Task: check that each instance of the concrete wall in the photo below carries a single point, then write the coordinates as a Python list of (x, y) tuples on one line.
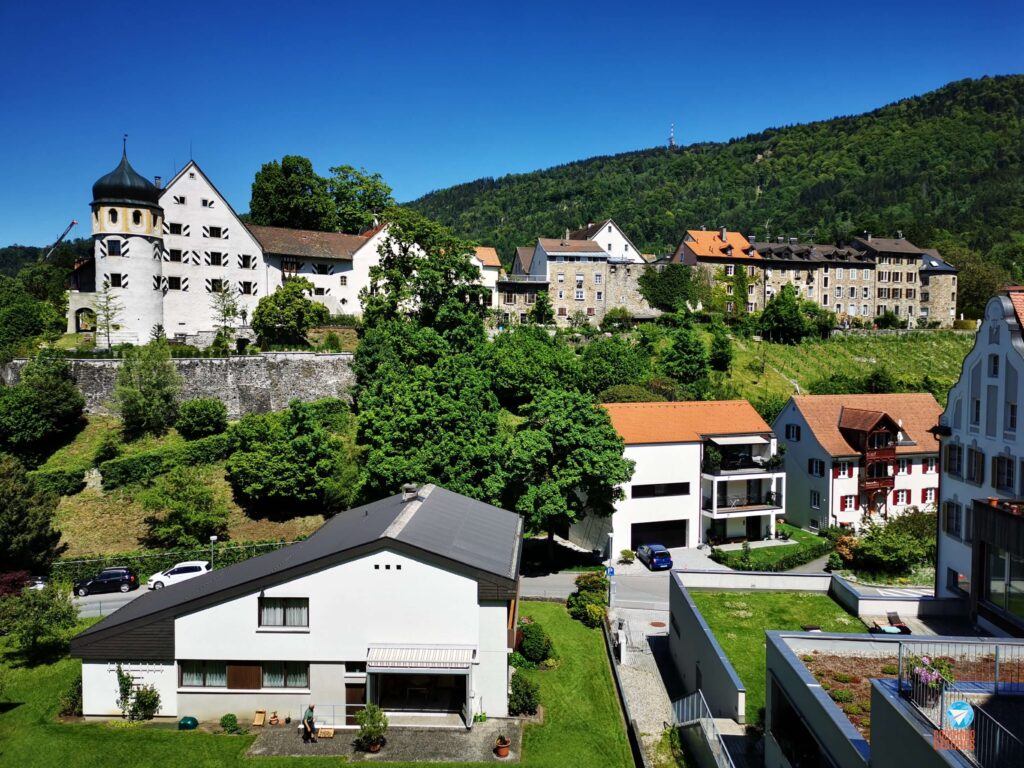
[(249, 384), (898, 738), (100, 692), (696, 653), (754, 580)]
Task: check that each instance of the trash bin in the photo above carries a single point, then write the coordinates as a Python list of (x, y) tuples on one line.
[(188, 724)]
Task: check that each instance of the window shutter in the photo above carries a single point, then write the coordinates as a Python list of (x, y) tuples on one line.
[(910, 466), (245, 676), (835, 469), (995, 468), (924, 495), (810, 466)]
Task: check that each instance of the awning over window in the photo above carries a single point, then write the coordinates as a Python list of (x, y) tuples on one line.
[(737, 440), (424, 657)]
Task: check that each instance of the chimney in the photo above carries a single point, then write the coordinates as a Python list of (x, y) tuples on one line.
[(792, 241), (869, 237), (721, 234), (410, 491), (779, 238), (899, 234), (156, 181), (751, 239)]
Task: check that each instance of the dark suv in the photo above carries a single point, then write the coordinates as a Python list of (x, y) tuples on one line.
[(108, 580)]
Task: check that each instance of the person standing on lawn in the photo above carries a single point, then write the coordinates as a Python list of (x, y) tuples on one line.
[(309, 726)]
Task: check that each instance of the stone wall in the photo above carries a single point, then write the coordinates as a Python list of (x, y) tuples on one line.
[(249, 384)]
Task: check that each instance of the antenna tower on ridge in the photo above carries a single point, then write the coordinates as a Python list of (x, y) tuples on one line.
[(672, 136)]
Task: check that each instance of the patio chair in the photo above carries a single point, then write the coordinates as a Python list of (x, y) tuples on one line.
[(894, 619)]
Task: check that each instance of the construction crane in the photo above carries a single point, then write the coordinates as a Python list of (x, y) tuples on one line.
[(60, 239)]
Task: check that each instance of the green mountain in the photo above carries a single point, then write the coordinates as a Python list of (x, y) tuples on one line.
[(950, 161)]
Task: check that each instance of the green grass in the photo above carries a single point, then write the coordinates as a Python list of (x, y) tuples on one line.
[(79, 451), (739, 620), (940, 354), (764, 558), (583, 725)]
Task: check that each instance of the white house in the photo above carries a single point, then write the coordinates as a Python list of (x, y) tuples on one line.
[(487, 261), (703, 469), (612, 240), (981, 528), (854, 457), (409, 602)]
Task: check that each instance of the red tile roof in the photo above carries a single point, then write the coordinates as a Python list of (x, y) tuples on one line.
[(918, 413), (307, 243), (1016, 295), (488, 256), (687, 422), (709, 244)]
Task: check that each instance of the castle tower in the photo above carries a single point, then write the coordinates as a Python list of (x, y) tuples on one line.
[(127, 232)]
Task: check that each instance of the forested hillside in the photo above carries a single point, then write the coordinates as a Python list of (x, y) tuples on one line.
[(950, 161)]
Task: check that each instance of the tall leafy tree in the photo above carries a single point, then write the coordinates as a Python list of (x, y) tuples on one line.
[(782, 320), (359, 197), (226, 310), (526, 361), (29, 540), (721, 349), (41, 408), (184, 508), (607, 362), (686, 361), (565, 461), (291, 194), (284, 316), (146, 390), (541, 313)]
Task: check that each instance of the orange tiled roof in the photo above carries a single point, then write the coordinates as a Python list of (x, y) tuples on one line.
[(687, 422), (918, 412), (488, 256), (307, 243), (1016, 295), (708, 244)]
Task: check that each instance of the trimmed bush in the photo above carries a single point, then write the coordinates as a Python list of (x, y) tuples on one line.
[(229, 723), (71, 701), (201, 417), (59, 482), (143, 467), (145, 703), (536, 645), (517, 660), (763, 559), (110, 447), (207, 450), (525, 696), (587, 603)]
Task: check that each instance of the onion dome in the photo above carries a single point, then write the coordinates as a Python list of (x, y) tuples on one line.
[(125, 185)]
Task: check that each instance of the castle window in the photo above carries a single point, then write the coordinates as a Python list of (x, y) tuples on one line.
[(179, 199), (215, 232), (216, 286), (113, 248), (174, 254), (245, 261), (174, 283), (191, 174), (116, 280), (207, 203), (136, 218), (343, 280), (113, 216), (322, 269), (173, 229), (216, 258), (318, 291)]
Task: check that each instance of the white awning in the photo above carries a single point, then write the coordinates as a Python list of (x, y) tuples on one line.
[(747, 440), (383, 658)]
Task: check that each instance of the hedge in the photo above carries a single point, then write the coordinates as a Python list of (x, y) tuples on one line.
[(148, 561), (60, 482), (765, 560), (143, 467)]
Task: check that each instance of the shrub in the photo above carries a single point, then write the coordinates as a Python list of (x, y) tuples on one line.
[(525, 696), (841, 696), (890, 669), (853, 709), (592, 581), (628, 393), (143, 467), (840, 677), (229, 723), (71, 701), (110, 447), (536, 645), (373, 726), (145, 703), (965, 325), (28, 539), (146, 389), (12, 582), (201, 417), (888, 550), (627, 556), (185, 510), (331, 343), (835, 562), (586, 604), (517, 660), (206, 450), (593, 615), (59, 482)]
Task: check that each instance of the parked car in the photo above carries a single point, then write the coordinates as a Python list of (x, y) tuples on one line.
[(178, 572), (108, 580), (36, 583), (654, 556)]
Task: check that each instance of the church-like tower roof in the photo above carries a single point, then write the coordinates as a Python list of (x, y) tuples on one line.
[(125, 185)]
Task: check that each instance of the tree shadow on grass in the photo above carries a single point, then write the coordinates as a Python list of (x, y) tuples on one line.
[(535, 558), (7, 706)]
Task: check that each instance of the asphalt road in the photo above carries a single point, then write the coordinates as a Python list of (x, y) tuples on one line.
[(101, 605), (641, 590)]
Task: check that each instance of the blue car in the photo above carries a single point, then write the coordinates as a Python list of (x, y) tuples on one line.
[(654, 556)]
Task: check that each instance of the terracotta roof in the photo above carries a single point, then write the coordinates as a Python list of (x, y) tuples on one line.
[(307, 243), (488, 256), (588, 231), (524, 255), (557, 245), (1016, 296), (687, 422), (373, 230), (859, 419), (917, 411), (708, 244)]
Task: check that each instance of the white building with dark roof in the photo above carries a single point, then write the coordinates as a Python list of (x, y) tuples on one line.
[(409, 603)]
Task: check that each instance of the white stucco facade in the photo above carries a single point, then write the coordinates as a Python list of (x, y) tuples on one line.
[(614, 241)]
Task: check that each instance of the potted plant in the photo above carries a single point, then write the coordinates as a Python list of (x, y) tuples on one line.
[(373, 726), (927, 675), (501, 745)]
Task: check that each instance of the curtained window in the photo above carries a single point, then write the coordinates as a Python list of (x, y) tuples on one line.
[(284, 611), (285, 674), (200, 674)]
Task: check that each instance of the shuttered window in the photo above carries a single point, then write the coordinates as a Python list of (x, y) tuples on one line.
[(245, 675)]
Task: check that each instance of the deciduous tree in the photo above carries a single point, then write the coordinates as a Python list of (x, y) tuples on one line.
[(290, 194), (287, 314), (42, 407), (28, 539), (686, 361), (146, 390), (359, 197)]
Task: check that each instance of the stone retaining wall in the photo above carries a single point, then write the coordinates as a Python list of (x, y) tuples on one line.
[(245, 384)]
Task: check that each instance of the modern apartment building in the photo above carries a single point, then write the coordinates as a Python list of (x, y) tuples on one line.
[(981, 527), (851, 458)]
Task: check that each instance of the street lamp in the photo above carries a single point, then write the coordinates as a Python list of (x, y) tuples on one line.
[(213, 540), (608, 573)]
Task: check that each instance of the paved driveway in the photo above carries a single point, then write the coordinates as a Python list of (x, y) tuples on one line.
[(102, 605)]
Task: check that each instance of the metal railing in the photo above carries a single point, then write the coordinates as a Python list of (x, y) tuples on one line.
[(523, 279), (694, 710), (994, 671), (768, 499)]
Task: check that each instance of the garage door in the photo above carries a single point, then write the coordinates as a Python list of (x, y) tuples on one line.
[(669, 534)]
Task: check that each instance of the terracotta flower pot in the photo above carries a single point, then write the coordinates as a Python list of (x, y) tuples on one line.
[(374, 747), (501, 748)]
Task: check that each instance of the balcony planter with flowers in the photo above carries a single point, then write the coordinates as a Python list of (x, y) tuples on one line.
[(926, 679)]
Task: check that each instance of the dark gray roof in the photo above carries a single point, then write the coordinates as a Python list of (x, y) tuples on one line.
[(436, 521), (932, 263), (886, 245), (125, 185), (811, 252)]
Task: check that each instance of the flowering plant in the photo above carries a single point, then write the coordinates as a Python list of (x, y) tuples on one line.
[(931, 670)]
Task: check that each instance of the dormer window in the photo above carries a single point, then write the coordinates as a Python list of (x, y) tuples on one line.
[(113, 216), (137, 218)]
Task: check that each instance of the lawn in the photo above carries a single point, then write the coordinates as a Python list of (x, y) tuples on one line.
[(808, 546), (739, 620), (940, 354), (583, 725)]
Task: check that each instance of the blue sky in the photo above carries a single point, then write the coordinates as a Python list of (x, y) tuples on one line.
[(433, 94)]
